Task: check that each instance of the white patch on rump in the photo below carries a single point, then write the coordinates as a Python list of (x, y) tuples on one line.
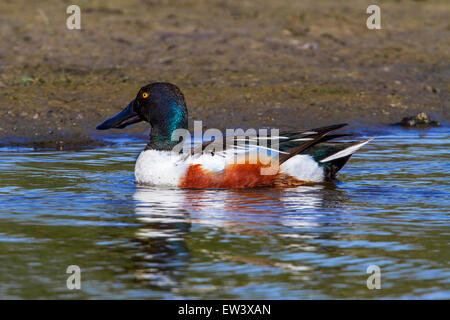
[(303, 167)]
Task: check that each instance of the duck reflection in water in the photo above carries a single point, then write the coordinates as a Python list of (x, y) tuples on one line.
[(179, 224)]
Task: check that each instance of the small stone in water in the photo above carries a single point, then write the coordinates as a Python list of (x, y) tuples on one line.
[(421, 119)]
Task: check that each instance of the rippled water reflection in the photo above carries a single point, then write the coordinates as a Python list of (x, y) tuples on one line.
[(83, 208)]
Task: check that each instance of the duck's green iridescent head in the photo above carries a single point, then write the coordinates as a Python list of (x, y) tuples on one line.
[(162, 105)]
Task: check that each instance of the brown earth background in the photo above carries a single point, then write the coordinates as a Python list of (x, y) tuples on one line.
[(286, 64)]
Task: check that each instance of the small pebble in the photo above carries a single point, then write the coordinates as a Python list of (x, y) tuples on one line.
[(421, 119)]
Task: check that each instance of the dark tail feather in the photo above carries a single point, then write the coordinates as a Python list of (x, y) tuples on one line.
[(333, 162), (332, 168), (320, 133)]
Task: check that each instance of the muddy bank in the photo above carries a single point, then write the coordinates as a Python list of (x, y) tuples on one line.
[(240, 64)]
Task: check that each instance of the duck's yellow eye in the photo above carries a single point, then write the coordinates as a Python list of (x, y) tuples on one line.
[(145, 95)]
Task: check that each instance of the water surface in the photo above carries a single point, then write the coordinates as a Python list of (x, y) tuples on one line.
[(390, 209)]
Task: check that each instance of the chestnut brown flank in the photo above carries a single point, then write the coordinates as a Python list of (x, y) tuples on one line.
[(235, 176)]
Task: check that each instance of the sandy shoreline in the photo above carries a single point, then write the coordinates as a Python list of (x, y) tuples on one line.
[(257, 64)]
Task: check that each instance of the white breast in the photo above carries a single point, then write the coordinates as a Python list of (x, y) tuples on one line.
[(159, 168)]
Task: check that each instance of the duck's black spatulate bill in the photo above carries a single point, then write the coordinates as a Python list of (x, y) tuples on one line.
[(121, 120)]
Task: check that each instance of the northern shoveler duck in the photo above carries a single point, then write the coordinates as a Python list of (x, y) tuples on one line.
[(302, 156)]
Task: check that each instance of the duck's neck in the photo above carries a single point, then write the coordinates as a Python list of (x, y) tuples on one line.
[(163, 129), (161, 139)]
